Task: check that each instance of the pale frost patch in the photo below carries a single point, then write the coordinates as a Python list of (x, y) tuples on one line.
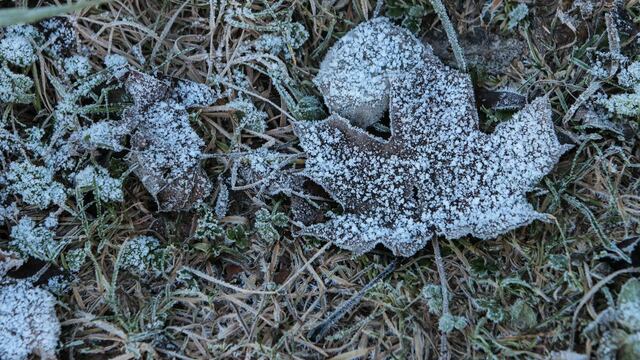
[(77, 65), (142, 255), (34, 240), (165, 150), (28, 322), (97, 179), (17, 50), (15, 88), (35, 184), (354, 75)]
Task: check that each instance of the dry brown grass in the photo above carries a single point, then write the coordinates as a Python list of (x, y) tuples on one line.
[(261, 301)]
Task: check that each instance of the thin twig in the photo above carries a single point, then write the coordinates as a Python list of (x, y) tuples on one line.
[(319, 332)]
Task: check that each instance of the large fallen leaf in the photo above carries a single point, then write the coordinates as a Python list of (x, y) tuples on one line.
[(437, 174)]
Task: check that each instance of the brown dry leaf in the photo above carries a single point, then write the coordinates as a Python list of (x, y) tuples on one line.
[(165, 150), (437, 174)]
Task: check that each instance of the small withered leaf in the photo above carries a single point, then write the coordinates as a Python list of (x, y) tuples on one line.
[(165, 150)]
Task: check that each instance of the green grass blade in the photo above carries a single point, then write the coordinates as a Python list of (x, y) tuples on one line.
[(26, 16)]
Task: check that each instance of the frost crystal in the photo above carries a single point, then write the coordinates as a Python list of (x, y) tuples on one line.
[(117, 65), (28, 322), (250, 117), (190, 94), (14, 88), (616, 330), (75, 259), (77, 65), (17, 50), (517, 15), (59, 35), (263, 169), (34, 240), (142, 254), (9, 260), (165, 150), (207, 227), (101, 135), (626, 104), (35, 184), (437, 174), (354, 75), (97, 178)]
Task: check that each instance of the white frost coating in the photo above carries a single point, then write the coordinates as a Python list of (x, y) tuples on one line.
[(354, 75), (77, 65), (250, 118), (28, 322), (35, 184), (142, 254), (9, 260), (264, 170), (18, 50), (626, 104), (190, 94), (165, 150), (101, 135), (34, 240), (117, 65), (97, 178), (437, 174), (14, 88)]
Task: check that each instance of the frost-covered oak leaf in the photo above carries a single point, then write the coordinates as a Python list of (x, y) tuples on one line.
[(165, 150), (437, 174)]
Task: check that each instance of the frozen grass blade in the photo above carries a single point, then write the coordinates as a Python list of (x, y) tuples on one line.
[(441, 10)]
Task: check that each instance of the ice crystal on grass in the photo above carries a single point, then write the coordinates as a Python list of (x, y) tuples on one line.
[(28, 322), (15, 88), (165, 150), (34, 240), (59, 37), (97, 179), (517, 15), (75, 259), (117, 65), (208, 227), (437, 174), (101, 135), (267, 222), (190, 94), (626, 104), (77, 65), (263, 170), (142, 255), (250, 117), (354, 75), (9, 260), (18, 50), (35, 184), (448, 323)]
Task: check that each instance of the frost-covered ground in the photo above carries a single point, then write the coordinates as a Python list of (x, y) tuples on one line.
[(170, 188)]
